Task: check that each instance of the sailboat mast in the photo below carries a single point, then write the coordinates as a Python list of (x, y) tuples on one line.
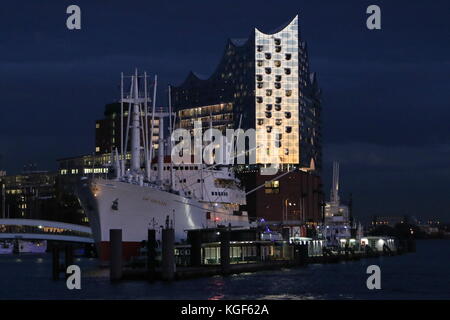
[(135, 125)]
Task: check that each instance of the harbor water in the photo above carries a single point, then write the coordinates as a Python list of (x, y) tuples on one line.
[(424, 274)]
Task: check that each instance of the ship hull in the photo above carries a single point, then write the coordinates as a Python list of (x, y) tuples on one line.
[(135, 209)]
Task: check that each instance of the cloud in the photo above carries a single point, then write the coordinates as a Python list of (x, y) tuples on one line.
[(432, 157)]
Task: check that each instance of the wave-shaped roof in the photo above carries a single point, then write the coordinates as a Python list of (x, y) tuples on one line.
[(280, 28), (237, 43)]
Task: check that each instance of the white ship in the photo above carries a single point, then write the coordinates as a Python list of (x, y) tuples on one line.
[(154, 195)]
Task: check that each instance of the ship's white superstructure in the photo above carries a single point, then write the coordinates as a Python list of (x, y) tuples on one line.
[(155, 195)]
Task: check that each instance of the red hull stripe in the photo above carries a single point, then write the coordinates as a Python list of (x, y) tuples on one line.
[(129, 249)]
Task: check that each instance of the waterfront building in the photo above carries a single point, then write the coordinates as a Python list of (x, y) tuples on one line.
[(107, 130), (34, 194), (28, 195), (264, 83), (293, 202)]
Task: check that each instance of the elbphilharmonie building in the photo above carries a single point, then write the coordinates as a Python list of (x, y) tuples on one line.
[(262, 82)]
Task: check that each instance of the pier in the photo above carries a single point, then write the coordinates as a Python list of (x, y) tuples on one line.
[(202, 257)]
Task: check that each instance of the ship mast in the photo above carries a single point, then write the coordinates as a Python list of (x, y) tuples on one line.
[(135, 126), (135, 166), (335, 186)]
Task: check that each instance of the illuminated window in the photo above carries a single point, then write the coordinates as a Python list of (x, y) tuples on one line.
[(272, 187), (97, 149), (278, 138), (97, 125)]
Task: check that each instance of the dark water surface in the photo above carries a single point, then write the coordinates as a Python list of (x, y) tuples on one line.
[(421, 275)]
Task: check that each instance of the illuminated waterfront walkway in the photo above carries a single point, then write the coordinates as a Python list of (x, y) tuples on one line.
[(44, 230)]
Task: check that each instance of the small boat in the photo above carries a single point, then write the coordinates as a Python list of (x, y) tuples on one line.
[(6, 247), (31, 246)]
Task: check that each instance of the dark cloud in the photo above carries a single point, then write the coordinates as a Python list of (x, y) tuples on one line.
[(385, 93)]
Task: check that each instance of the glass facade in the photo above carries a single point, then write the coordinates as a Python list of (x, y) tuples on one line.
[(277, 84), (261, 83)]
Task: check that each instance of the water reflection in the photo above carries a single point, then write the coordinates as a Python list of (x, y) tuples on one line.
[(29, 277), (217, 287)]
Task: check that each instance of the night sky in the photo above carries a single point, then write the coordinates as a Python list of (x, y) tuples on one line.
[(386, 92)]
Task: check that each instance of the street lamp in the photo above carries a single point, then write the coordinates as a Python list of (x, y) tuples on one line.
[(285, 213)]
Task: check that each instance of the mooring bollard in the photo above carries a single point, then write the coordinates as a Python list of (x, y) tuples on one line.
[(115, 239), (196, 249), (55, 263), (168, 254), (225, 251), (258, 252), (303, 254), (151, 255)]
